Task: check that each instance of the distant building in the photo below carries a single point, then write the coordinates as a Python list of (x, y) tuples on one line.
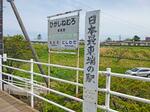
[(81, 42), (147, 38), (127, 43), (39, 42)]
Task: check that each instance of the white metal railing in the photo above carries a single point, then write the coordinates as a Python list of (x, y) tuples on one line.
[(33, 84)]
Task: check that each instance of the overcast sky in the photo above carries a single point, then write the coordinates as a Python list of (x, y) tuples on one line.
[(118, 17)]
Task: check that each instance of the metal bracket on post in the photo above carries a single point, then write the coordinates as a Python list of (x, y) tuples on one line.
[(108, 81), (32, 89)]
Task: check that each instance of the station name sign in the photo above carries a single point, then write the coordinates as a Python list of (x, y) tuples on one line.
[(91, 61), (63, 33)]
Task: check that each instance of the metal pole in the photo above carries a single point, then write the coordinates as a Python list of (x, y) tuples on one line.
[(77, 72), (49, 68), (1, 28), (49, 55), (78, 61), (32, 90), (26, 36), (108, 81), (1, 82), (1, 41)]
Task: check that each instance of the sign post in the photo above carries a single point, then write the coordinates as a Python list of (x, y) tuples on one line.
[(78, 62), (91, 61)]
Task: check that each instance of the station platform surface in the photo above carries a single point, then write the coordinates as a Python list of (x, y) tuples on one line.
[(9, 103)]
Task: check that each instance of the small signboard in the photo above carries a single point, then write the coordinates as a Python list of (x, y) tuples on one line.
[(91, 61), (63, 33)]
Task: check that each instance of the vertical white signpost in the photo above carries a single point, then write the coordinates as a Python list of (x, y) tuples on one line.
[(91, 62)]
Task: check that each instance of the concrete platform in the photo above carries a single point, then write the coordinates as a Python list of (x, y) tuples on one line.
[(10, 104)]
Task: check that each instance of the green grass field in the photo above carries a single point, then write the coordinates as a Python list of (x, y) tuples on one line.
[(127, 58), (128, 55)]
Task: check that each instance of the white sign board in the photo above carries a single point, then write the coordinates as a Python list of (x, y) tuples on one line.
[(91, 61), (63, 33)]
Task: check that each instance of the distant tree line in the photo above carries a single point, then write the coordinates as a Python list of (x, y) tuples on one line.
[(135, 38)]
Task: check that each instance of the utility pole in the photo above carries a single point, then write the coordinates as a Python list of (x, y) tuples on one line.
[(26, 36), (1, 28), (120, 38)]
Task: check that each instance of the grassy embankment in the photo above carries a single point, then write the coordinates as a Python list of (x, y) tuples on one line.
[(120, 64)]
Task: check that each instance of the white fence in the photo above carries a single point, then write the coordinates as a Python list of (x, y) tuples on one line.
[(32, 84)]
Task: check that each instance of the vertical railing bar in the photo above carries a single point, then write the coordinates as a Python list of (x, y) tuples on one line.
[(108, 81), (49, 67), (32, 97)]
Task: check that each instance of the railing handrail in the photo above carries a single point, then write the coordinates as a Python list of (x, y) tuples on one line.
[(32, 83), (75, 68), (74, 83)]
